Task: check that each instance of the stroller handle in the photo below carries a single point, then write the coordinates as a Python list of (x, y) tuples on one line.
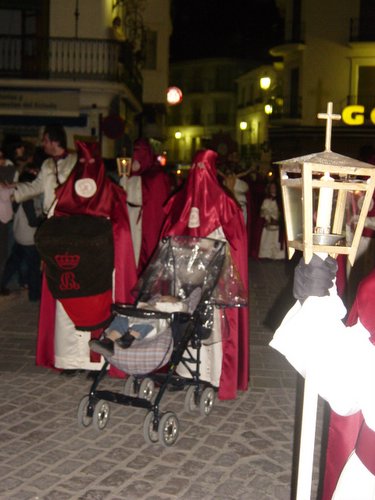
[(135, 312)]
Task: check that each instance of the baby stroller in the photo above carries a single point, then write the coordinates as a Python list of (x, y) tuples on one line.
[(199, 274)]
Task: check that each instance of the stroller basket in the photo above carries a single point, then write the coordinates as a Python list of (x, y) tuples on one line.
[(177, 292)]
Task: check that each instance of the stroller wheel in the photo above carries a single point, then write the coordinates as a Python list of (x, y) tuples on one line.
[(101, 415), (190, 404), (207, 401), (84, 420), (146, 389), (149, 433), (129, 389), (168, 429)]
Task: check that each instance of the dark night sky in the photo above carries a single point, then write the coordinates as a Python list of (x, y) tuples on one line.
[(224, 28)]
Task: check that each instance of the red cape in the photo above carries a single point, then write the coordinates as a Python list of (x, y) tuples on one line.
[(202, 191), (343, 431), (108, 201)]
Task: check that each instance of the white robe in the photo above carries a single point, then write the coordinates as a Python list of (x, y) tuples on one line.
[(71, 346), (133, 187), (270, 247), (340, 364), (46, 181)]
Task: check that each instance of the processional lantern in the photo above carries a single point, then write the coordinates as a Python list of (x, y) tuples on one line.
[(124, 165), (326, 197)]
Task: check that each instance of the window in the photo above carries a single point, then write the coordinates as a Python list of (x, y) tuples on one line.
[(367, 20), (251, 93), (10, 22), (294, 93), (196, 83), (174, 116), (366, 86), (150, 49), (296, 24), (196, 112), (25, 28), (222, 111), (242, 101), (224, 78)]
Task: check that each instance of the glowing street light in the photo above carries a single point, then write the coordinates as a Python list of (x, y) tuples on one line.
[(268, 109), (243, 125), (178, 135), (174, 96), (265, 82)]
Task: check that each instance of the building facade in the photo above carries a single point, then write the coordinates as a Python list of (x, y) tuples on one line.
[(259, 96), (69, 62), (206, 116), (328, 55)]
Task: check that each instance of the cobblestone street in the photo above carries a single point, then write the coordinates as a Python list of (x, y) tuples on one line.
[(243, 450)]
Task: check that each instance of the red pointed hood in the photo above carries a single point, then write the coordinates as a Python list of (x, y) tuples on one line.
[(202, 205), (143, 156), (85, 191)]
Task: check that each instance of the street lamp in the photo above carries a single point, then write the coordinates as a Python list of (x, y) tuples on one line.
[(268, 109), (174, 96), (265, 82), (178, 135)]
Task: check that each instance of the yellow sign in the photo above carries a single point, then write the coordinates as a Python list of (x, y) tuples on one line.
[(355, 115)]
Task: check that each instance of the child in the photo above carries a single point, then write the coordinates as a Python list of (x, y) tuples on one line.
[(123, 333)]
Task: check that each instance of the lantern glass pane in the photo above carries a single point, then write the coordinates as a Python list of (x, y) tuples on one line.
[(353, 209), (294, 197)]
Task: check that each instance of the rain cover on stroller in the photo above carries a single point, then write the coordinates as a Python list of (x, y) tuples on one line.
[(193, 274), (182, 263)]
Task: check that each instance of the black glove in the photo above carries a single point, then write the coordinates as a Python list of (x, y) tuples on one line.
[(314, 278)]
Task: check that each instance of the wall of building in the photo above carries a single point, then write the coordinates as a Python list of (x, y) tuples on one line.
[(209, 104), (157, 18), (325, 68), (329, 64), (94, 20)]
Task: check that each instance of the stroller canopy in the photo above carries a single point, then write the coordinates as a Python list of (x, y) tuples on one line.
[(182, 264)]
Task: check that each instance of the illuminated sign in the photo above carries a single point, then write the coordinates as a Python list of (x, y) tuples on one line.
[(355, 115)]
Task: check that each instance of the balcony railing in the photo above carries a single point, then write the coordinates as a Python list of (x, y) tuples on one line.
[(69, 58)]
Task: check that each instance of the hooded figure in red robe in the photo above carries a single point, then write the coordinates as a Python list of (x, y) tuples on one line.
[(90, 264), (147, 187), (203, 209)]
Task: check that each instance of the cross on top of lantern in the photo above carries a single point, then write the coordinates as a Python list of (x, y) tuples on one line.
[(326, 197)]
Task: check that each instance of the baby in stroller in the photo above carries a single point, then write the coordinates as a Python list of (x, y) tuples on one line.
[(124, 330), (166, 327)]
